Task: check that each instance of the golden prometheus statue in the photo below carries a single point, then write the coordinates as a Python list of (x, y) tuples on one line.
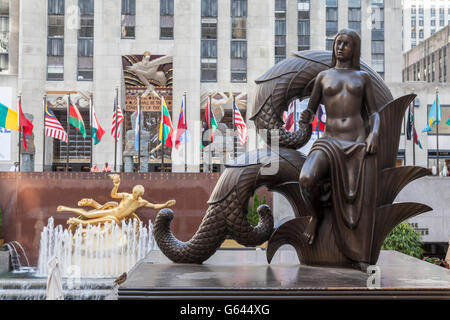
[(111, 211)]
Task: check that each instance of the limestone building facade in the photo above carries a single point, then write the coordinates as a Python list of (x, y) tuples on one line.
[(56, 47)]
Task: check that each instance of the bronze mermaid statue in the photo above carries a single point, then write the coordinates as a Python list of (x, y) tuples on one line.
[(342, 192)]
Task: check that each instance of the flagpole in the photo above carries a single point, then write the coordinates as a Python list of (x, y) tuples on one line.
[(234, 127), (295, 115), (92, 130), (20, 130), (413, 133), (185, 131), (43, 140), (68, 134), (437, 129), (406, 121), (163, 140), (139, 137), (115, 131), (211, 133)]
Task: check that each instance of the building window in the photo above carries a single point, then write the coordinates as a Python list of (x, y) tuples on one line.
[(238, 40), (55, 40), (331, 27), (445, 64), (166, 20), (304, 25), (209, 41), (354, 15), (86, 41), (128, 19), (280, 30), (378, 37)]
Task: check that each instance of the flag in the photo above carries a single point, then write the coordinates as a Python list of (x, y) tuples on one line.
[(292, 115), (25, 125), (409, 124), (182, 133), (75, 119), (434, 116), (240, 125), (319, 120), (97, 130), (116, 121), (211, 125), (166, 128), (8, 118), (288, 118), (53, 127), (137, 124), (416, 139)]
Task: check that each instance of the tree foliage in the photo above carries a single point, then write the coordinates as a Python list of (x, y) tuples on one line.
[(252, 215), (405, 239)]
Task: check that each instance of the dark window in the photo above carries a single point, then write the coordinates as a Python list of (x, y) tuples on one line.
[(238, 40), (86, 41), (209, 8), (280, 30), (129, 19), (166, 19), (303, 25), (208, 50), (56, 7), (55, 40)]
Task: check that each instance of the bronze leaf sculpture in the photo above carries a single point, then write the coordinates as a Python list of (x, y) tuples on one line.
[(342, 193)]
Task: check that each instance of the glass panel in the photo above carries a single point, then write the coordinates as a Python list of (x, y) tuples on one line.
[(85, 75), (303, 28), (209, 49), (86, 27), (280, 5), (280, 27), (209, 72), (238, 76), (238, 8), (331, 3), (166, 21), (55, 7), (129, 7), (238, 49), (55, 47), (166, 33), (85, 63), (354, 3), (166, 7), (209, 8), (85, 47), (209, 30), (86, 7), (239, 28), (332, 14)]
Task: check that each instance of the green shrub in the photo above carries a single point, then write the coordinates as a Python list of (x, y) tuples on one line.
[(405, 239), (252, 215)]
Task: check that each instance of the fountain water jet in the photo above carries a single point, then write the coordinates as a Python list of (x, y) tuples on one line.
[(95, 251)]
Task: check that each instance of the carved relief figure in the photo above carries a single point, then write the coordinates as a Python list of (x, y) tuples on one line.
[(148, 70)]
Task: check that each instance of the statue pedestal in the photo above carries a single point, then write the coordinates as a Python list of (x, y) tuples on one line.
[(231, 274)]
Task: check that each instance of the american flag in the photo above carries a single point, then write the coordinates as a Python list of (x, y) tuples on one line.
[(240, 125), (53, 127), (119, 119)]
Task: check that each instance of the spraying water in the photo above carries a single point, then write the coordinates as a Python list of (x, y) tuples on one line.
[(95, 251)]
